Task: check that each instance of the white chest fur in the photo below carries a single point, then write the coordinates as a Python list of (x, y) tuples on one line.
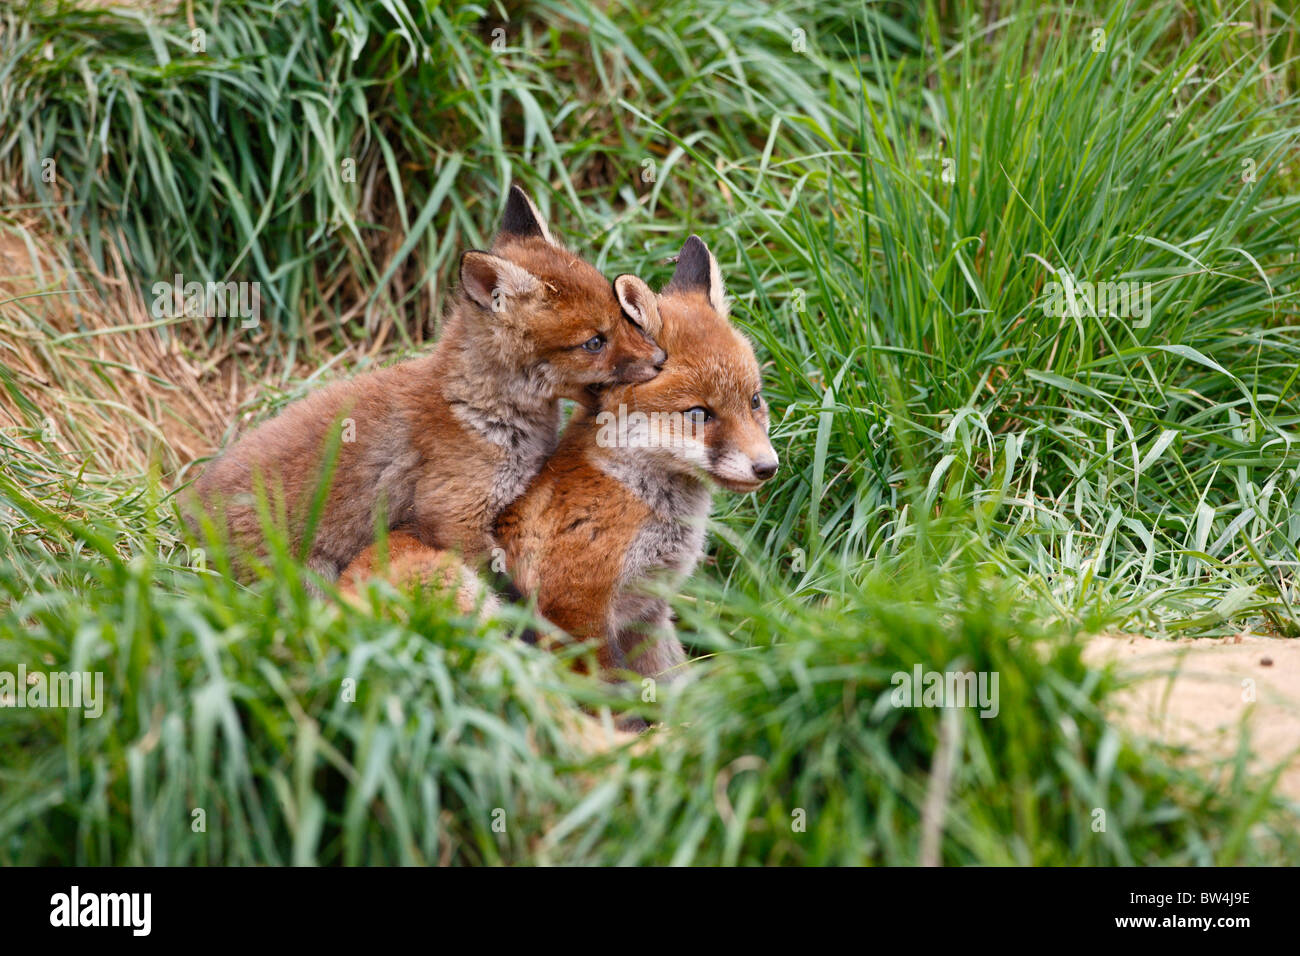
[(669, 544)]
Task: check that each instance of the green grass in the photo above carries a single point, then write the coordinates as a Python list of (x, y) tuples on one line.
[(236, 704), (967, 482)]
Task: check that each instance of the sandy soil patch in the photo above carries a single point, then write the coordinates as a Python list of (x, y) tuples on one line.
[(1198, 694)]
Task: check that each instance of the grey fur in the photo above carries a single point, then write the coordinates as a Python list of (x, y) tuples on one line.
[(663, 554), (512, 408)]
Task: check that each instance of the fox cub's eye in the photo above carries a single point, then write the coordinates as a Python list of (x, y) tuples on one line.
[(756, 402), (699, 414), (594, 344)]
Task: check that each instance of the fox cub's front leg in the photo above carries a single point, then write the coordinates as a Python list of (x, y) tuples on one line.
[(650, 647)]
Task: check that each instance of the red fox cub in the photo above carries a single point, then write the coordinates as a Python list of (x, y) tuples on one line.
[(624, 499), (442, 443)]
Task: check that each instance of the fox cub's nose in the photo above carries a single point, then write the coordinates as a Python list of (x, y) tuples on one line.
[(765, 469), (642, 370), (634, 373)]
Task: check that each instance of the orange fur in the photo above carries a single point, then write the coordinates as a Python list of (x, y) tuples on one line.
[(598, 522), (440, 444)]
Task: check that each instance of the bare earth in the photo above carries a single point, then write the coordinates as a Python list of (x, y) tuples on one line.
[(1196, 693)]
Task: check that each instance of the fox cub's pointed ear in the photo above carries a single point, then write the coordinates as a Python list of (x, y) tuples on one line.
[(522, 220), (490, 281), (697, 271), (639, 303)]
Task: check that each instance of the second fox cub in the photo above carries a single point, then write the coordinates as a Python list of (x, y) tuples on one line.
[(441, 444), (624, 499)]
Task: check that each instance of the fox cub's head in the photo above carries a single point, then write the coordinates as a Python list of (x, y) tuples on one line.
[(545, 308), (705, 412)]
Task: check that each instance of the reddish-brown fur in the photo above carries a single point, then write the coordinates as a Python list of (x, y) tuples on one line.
[(442, 443), (598, 522), (417, 565)]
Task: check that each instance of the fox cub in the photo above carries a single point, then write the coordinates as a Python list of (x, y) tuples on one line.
[(624, 499), (443, 443)]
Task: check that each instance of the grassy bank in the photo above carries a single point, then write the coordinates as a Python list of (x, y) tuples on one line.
[(972, 477)]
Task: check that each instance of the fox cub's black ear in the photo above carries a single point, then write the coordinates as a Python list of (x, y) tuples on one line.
[(491, 282), (522, 219), (639, 303), (697, 271)]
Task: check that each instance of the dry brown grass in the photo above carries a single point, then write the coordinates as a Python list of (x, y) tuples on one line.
[(107, 383), (96, 381)]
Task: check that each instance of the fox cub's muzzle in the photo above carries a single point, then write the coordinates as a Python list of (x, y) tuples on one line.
[(634, 371)]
